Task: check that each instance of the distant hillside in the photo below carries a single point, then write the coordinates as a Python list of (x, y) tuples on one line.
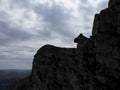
[(9, 76)]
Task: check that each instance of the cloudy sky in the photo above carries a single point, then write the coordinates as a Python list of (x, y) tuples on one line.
[(26, 25)]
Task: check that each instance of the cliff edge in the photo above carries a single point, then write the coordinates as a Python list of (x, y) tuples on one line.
[(93, 65)]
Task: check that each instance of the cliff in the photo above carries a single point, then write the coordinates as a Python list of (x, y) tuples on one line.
[(93, 65)]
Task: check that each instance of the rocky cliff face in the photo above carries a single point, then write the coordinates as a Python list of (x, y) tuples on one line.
[(93, 65)]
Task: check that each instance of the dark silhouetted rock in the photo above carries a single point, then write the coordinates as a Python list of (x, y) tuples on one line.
[(113, 3), (93, 65)]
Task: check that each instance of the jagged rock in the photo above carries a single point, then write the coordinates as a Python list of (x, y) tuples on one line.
[(81, 40), (54, 68), (113, 3), (93, 65)]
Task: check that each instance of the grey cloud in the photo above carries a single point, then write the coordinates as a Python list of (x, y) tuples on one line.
[(24, 63), (103, 5), (56, 16), (12, 56), (12, 34), (20, 3)]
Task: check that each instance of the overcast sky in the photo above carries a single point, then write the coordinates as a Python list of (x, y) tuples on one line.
[(26, 25)]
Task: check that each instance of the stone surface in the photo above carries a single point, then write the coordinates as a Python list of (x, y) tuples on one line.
[(93, 65), (113, 2)]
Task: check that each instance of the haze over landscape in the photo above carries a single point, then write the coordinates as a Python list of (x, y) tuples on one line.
[(26, 25)]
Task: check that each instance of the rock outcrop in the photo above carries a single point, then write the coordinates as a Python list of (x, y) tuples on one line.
[(93, 65)]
